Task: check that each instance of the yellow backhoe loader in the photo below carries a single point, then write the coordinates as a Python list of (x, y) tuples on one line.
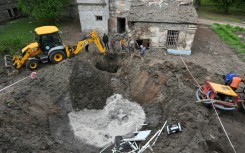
[(49, 48)]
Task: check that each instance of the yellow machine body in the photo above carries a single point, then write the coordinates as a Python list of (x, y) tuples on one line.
[(54, 54), (46, 30), (223, 89)]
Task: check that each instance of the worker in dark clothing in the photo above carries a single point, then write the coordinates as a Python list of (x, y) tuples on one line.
[(105, 41), (113, 43)]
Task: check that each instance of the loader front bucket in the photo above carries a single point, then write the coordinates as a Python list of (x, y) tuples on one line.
[(10, 69)]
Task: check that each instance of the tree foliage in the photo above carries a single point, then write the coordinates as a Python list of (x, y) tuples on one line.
[(227, 4), (241, 4), (42, 9), (197, 3)]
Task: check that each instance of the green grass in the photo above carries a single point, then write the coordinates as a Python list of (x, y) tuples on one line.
[(212, 13), (16, 34), (228, 34), (208, 10), (206, 2)]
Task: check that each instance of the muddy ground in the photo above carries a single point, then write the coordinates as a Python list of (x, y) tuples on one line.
[(34, 113)]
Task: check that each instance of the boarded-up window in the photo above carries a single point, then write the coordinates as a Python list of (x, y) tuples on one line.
[(172, 39)]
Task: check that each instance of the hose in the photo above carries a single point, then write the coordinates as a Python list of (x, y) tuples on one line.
[(224, 108), (229, 108)]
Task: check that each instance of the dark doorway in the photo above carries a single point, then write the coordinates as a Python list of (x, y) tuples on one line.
[(144, 42), (10, 13), (16, 12), (121, 25)]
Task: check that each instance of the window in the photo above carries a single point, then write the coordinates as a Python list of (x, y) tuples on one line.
[(98, 18), (10, 13), (172, 39)]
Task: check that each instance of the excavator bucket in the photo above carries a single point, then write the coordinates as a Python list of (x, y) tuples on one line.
[(10, 69)]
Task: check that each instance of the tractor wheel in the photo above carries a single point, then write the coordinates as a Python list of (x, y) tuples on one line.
[(57, 56), (32, 64)]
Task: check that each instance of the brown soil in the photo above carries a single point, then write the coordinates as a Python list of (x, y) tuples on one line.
[(34, 113)]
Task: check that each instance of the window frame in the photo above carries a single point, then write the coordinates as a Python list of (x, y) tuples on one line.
[(172, 39), (98, 18)]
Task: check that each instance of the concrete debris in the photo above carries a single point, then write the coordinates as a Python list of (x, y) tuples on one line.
[(99, 127)]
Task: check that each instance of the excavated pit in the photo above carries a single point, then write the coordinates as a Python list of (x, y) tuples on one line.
[(111, 68), (80, 108), (110, 62), (162, 88)]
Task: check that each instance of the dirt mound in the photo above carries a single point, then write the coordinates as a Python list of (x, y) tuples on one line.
[(25, 109), (34, 114)]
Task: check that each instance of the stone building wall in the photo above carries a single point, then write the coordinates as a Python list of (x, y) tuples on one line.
[(8, 10), (157, 34), (118, 9), (94, 15), (71, 10), (116, 20)]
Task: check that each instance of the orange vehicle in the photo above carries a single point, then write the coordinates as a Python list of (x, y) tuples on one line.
[(220, 96)]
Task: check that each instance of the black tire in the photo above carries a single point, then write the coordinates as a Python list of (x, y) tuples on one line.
[(32, 64), (57, 56)]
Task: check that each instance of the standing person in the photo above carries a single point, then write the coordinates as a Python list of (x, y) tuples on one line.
[(131, 45), (142, 50), (105, 41), (122, 43), (113, 43)]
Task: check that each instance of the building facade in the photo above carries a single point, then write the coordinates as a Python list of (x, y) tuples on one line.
[(8, 10), (169, 24), (93, 15)]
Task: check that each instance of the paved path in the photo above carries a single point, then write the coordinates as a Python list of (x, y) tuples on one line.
[(209, 22)]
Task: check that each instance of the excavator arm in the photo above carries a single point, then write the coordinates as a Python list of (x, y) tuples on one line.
[(93, 37)]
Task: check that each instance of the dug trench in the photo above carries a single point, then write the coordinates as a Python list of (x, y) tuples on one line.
[(80, 104)]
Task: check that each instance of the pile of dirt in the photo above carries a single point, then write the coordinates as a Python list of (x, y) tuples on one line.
[(45, 114)]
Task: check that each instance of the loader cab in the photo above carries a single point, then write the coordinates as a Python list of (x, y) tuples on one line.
[(47, 38)]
